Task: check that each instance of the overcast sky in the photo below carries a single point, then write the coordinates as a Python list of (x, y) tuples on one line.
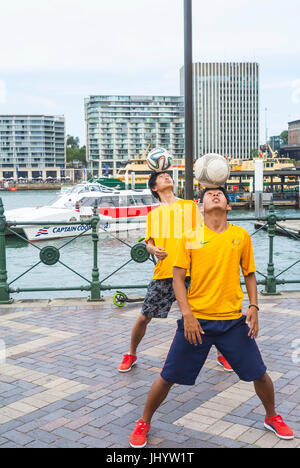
[(55, 53)]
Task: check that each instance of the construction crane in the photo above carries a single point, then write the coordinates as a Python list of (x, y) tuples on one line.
[(273, 153), (144, 154)]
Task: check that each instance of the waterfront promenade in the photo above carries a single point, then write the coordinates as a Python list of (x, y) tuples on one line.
[(59, 385)]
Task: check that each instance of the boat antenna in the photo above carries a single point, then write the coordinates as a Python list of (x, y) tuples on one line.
[(144, 154)]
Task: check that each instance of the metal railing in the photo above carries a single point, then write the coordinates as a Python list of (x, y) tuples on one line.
[(50, 255), (270, 223)]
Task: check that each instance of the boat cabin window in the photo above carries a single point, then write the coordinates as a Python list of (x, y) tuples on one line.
[(111, 202), (125, 200), (80, 189), (144, 200), (87, 202), (137, 200), (94, 188), (85, 188), (117, 201)]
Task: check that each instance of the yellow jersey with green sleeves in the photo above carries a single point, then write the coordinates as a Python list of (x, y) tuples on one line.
[(215, 266), (165, 225)]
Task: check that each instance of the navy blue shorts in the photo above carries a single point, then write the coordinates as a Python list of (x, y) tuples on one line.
[(185, 361)]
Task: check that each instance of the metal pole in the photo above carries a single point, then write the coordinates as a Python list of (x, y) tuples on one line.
[(266, 125), (175, 178), (95, 287), (188, 100), (270, 288), (259, 187), (4, 288)]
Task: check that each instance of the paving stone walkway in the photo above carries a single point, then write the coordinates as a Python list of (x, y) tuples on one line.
[(59, 385)]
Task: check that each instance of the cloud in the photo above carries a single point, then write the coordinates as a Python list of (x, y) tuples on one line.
[(2, 92), (118, 35), (296, 92), (60, 51), (39, 102), (90, 35), (292, 86), (277, 85)]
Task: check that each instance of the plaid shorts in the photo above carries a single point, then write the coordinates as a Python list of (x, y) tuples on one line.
[(160, 297)]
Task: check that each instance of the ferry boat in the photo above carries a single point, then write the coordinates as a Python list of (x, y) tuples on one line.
[(119, 211), (271, 162)]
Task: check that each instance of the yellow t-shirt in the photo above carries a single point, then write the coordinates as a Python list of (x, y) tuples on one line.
[(215, 292), (165, 225)]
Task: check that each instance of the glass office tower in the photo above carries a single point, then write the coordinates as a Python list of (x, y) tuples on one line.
[(226, 108)]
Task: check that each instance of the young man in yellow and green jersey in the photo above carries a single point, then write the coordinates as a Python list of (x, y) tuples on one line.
[(212, 315)]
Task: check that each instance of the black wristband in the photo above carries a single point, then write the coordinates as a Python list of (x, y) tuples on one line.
[(254, 305)]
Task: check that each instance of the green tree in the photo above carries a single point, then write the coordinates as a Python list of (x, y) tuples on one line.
[(254, 153), (72, 142), (74, 151), (284, 137)]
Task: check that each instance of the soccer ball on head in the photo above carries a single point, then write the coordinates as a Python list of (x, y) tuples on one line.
[(212, 170), (159, 160)]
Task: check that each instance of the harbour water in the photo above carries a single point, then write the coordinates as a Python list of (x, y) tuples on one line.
[(112, 254)]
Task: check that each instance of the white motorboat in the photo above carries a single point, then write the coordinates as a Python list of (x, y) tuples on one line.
[(119, 211)]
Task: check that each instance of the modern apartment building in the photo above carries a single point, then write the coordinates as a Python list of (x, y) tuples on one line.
[(118, 128), (226, 108), (31, 143)]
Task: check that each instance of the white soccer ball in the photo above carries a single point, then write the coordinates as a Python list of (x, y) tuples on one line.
[(159, 160), (212, 170)]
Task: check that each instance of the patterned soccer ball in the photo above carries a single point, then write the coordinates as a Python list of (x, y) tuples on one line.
[(212, 170), (159, 160)]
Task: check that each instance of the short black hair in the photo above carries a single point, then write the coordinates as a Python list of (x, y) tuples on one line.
[(222, 189), (152, 182)]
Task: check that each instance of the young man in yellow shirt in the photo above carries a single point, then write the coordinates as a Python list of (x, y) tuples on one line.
[(165, 226), (212, 314)]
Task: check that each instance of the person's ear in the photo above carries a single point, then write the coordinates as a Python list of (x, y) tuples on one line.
[(229, 207)]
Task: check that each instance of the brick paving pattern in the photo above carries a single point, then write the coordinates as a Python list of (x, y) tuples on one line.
[(59, 385)]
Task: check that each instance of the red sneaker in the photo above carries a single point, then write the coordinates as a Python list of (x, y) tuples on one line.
[(138, 438), (277, 425), (225, 364), (128, 362)]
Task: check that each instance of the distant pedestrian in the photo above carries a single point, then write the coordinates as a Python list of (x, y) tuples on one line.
[(69, 204)]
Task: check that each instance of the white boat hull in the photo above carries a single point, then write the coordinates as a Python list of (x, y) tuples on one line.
[(44, 233)]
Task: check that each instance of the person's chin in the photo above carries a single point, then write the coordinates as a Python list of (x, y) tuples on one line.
[(215, 207)]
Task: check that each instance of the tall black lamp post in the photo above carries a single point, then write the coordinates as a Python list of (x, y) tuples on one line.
[(188, 99)]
